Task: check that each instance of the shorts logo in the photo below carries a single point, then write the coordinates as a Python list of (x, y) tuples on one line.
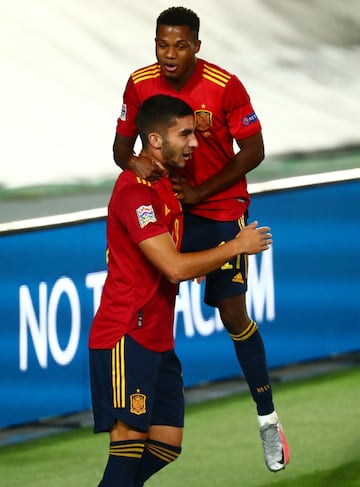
[(123, 112), (238, 278), (203, 119), (249, 119), (145, 215), (137, 403)]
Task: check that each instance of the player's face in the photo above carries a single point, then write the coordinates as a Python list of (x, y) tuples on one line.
[(179, 142), (175, 51)]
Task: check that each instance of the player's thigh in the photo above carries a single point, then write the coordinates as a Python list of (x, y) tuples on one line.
[(123, 385), (169, 404), (199, 233), (225, 288), (124, 432), (203, 233)]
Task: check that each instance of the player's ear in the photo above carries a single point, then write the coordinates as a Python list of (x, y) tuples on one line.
[(155, 140), (197, 46)]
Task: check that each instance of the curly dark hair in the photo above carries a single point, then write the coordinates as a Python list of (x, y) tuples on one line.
[(180, 16)]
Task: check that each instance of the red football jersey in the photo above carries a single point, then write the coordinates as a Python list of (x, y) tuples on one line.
[(223, 112), (137, 299)]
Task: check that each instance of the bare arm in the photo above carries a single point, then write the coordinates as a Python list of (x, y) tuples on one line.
[(249, 157), (123, 150), (176, 267)]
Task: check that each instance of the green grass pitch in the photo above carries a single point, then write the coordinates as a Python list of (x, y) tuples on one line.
[(221, 445)]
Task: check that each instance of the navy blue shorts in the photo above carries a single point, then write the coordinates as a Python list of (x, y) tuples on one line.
[(137, 386), (200, 234)]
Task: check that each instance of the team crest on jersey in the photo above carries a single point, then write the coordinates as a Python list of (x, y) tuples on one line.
[(138, 403), (123, 112), (146, 215), (203, 120)]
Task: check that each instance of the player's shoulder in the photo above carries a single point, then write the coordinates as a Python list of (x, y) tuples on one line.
[(129, 188), (128, 178), (215, 73), (152, 71)]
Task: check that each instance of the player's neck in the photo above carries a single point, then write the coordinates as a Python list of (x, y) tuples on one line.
[(156, 157)]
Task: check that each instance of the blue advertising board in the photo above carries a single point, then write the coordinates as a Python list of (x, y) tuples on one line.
[(49, 283), (304, 294)]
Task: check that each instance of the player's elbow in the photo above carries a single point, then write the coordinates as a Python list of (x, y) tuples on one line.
[(174, 277), (254, 148), (177, 274), (118, 159), (260, 155), (122, 149), (175, 267)]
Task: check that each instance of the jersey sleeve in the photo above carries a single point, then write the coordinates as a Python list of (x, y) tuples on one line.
[(139, 210), (126, 124), (240, 114)]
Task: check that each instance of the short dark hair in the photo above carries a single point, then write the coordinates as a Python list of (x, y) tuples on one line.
[(158, 113), (180, 16)]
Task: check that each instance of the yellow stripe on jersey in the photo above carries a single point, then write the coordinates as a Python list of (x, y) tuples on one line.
[(143, 181), (153, 71), (176, 232), (218, 77), (118, 374)]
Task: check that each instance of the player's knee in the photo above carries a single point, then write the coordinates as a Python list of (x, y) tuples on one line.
[(234, 316)]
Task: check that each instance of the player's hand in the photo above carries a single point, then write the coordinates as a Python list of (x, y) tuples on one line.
[(146, 168), (253, 239), (187, 194)]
